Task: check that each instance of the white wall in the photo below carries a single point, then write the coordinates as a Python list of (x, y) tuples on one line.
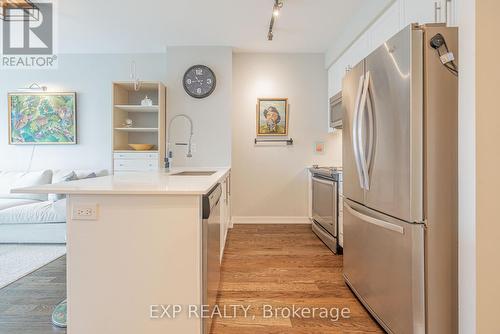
[(211, 116), (487, 123), (272, 180), (89, 75)]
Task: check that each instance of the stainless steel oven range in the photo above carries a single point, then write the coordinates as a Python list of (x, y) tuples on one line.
[(325, 205)]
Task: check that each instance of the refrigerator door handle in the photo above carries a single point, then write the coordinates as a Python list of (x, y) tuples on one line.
[(359, 132), (366, 102), (374, 221), (355, 125)]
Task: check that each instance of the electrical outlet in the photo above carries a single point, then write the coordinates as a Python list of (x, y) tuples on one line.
[(84, 212), (193, 147)]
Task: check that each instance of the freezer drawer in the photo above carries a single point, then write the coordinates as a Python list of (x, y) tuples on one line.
[(384, 265), (135, 164)]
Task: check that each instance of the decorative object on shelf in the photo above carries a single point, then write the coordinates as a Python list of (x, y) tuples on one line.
[(199, 81), (128, 123), (42, 118), (287, 141), (272, 117), (146, 102), (142, 147)]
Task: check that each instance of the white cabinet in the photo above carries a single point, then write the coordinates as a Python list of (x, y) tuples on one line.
[(135, 155), (423, 11), (357, 52), (385, 27), (130, 165), (428, 11), (135, 161), (396, 17), (225, 212)]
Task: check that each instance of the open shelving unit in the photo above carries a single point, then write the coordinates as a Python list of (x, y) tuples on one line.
[(149, 125)]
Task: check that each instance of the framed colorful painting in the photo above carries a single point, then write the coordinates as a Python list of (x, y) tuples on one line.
[(42, 118), (272, 117)]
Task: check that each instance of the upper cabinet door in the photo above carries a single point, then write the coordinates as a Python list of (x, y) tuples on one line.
[(358, 51), (386, 26), (424, 11)]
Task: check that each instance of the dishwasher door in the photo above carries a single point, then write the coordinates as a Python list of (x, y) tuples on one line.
[(211, 251)]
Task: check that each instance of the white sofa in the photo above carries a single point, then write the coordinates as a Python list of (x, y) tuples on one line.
[(35, 218)]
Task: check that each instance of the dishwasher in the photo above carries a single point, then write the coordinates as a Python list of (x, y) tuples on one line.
[(211, 251)]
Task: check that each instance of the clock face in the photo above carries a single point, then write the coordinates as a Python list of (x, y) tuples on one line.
[(199, 81)]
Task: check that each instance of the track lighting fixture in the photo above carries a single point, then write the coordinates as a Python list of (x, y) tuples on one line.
[(278, 4), (18, 10)]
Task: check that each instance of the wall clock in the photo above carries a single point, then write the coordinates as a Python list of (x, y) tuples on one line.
[(199, 81)]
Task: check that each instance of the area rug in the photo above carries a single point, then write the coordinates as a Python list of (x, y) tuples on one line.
[(17, 261)]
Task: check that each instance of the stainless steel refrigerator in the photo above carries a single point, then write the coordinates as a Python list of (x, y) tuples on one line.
[(400, 161)]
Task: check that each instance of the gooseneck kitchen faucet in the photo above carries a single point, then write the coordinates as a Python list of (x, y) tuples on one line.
[(169, 157)]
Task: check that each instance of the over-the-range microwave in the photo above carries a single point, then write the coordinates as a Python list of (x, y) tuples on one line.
[(336, 111)]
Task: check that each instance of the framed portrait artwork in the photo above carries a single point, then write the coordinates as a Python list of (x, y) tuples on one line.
[(42, 118), (272, 117)]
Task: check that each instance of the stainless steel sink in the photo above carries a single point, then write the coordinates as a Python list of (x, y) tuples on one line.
[(195, 173)]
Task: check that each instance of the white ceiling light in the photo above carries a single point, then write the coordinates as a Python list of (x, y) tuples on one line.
[(278, 4)]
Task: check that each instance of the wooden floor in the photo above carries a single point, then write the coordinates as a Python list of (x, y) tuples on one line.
[(26, 305), (276, 265), (281, 266)]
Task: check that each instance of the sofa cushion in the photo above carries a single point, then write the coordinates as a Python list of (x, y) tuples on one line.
[(6, 203), (63, 175), (35, 213), (59, 174), (11, 180), (58, 179)]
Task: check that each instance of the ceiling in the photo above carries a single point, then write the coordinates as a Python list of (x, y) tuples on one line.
[(120, 26)]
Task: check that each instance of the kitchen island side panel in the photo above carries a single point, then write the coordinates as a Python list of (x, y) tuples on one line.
[(142, 250)]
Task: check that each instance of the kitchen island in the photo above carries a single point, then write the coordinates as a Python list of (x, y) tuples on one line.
[(134, 247)]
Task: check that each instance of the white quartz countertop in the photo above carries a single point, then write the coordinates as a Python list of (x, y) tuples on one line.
[(138, 183)]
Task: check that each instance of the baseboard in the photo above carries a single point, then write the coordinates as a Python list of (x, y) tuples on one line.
[(269, 220)]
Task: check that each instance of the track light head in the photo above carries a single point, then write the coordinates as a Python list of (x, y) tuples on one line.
[(276, 10), (278, 4)]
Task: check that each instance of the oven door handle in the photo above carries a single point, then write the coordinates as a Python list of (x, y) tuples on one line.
[(327, 182)]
